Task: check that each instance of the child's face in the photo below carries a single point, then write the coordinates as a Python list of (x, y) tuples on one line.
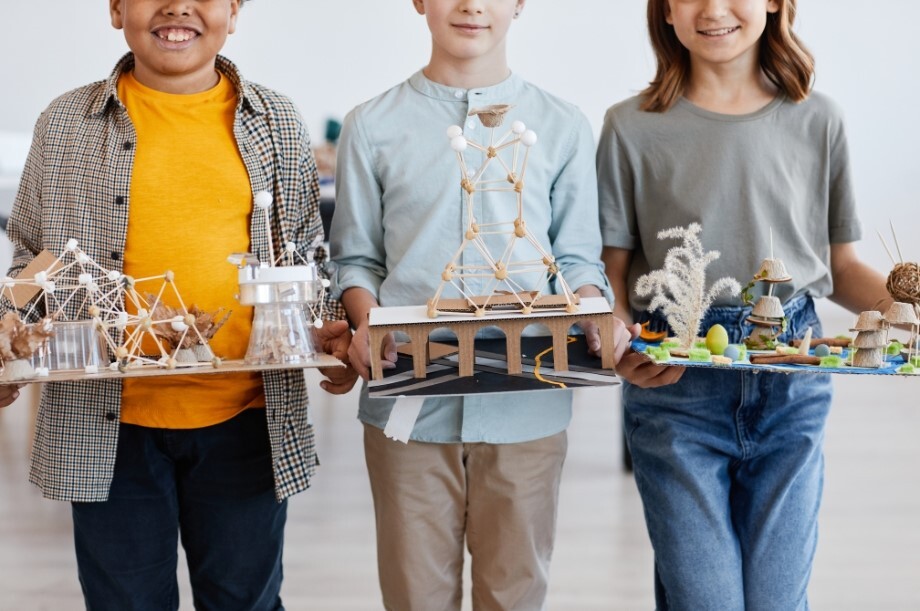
[(720, 32), (175, 42), (469, 30)]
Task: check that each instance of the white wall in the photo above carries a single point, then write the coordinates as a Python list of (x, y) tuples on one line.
[(332, 54)]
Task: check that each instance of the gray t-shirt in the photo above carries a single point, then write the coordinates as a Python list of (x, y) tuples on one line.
[(785, 167)]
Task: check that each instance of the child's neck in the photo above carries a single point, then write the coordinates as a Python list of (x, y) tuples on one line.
[(728, 92), (466, 73)]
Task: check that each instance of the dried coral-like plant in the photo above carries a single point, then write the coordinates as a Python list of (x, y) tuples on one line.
[(207, 324), (19, 340), (679, 288)]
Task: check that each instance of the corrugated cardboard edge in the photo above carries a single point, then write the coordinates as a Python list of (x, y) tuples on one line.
[(43, 262)]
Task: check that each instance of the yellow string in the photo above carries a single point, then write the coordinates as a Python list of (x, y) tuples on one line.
[(537, 365)]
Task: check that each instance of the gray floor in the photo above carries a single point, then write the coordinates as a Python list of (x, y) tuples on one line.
[(867, 558)]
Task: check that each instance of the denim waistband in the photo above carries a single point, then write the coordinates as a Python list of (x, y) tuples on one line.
[(800, 314)]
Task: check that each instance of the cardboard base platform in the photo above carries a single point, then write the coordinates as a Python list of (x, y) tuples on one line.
[(229, 366), (889, 367)]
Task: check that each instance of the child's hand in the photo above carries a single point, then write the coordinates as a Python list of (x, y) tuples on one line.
[(636, 369), (335, 339), (359, 352), (592, 337), (8, 394)]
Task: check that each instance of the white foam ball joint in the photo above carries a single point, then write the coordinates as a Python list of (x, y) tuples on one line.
[(326, 283), (114, 275), (458, 143), (40, 277), (529, 138), (263, 199), (71, 244), (290, 247), (318, 323), (83, 258), (178, 325), (518, 127), (85, 279), (453, 131)]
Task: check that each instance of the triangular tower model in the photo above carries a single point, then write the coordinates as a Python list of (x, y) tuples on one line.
[(500, 272)]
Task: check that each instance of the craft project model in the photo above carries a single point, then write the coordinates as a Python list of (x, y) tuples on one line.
[(288, 300), (505, 303), (131, 330), (503, 170), (121, 317), (869, 351), (412, 321), (491, 369)]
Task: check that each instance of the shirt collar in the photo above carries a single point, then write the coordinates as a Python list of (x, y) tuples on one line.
[(225, 66), (505, 90)]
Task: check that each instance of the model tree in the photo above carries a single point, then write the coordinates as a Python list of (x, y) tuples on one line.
[(679, 288)]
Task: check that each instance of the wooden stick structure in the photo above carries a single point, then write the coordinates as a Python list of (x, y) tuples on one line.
[(413, 321), (103, 295), (501, 274), (890, 256), (896, 244)]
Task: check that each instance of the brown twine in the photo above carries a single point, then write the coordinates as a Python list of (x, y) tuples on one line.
[(904, 283)]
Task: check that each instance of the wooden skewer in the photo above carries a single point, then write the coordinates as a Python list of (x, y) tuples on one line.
[(890, 256), (895, 236)]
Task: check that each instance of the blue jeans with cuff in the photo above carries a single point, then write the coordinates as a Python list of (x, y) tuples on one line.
[(730, 468), (214, 486)]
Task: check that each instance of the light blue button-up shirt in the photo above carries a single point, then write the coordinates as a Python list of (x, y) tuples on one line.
[(400, 215)]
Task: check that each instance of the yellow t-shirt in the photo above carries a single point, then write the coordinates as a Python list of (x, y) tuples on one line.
[(190, 204)]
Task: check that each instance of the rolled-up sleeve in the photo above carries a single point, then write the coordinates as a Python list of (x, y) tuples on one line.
[(574, 229)]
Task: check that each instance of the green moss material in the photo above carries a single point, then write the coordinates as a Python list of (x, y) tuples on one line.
[(832, 361), (700, 355)]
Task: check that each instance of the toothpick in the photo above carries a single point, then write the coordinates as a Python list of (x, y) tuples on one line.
[(898, 246), (890, 256)]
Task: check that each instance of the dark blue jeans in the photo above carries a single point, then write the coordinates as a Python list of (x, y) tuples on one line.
[(213, 486)]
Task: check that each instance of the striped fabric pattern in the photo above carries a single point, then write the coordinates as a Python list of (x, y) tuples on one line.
[(75, 185)]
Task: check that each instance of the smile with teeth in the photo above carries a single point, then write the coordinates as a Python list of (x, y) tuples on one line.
[(176, 34), (720, 31)]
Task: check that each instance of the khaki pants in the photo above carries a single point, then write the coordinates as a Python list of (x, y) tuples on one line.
[(428, 497)]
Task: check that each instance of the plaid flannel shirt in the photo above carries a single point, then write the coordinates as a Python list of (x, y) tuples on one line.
[(75, 185)]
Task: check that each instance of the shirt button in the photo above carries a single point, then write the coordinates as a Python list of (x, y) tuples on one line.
[(459, 94), (120, 200), (110, 416), (116, 255), (127, 145)]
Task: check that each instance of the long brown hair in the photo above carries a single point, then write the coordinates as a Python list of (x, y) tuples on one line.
[(783, 58)]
